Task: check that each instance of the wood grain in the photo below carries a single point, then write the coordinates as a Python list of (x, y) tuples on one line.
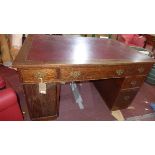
[(42, 106), (133, 81), (34, 75), (109, 89), (124, 98), (103, 72)]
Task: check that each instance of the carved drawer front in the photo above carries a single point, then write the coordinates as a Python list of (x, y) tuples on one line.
[(38, 75), (134, 81), (125, 98)]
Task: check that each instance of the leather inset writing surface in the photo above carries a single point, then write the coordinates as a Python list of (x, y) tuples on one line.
[(78, 50)]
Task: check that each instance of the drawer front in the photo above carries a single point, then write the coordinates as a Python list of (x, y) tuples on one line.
[(84, 73), (101, 72), (125, 98), (35, 75), (141, 69), (134, 81)]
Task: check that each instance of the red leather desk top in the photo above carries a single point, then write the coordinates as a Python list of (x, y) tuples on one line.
[(60, 50)]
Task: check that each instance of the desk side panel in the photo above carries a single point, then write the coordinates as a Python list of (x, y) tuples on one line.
[(109, 89), (42, 106)]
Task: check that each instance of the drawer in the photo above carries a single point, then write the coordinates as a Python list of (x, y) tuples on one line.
[(34, 75), (89, 73), (140, 69), (124, 98), (134, 81), (102, 72)]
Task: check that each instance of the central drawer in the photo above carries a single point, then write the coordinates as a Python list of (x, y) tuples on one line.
[(84, 73), (102, 72)]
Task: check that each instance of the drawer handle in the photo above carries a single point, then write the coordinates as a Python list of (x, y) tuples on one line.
[(133, 83), (40, 75), (126, 98), (119, 72), (141, 70), (75, 74)]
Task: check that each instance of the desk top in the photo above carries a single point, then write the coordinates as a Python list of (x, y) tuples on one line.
[(44, 50)]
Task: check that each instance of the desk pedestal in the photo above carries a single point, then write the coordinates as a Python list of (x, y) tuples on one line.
[(42, 106), (115, 97)]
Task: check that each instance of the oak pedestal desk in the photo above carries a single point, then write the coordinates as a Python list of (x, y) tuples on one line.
[(45, 62)]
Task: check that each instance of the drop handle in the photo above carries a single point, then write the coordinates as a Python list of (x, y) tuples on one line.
[(40, 75), (75, 74), (120, 72), (140, 69)]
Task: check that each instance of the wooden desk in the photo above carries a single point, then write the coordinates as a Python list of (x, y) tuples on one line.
[(116, 70)]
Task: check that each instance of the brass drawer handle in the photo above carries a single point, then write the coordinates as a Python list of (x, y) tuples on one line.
[(40, 75), (75, 74), (119, 72), (141, 70), (126, 98), (133, 83)]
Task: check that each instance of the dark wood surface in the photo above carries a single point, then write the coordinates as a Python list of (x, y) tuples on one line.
[(42, 106), (116, 70), (133, 81), (109, 90), (124, 98)]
